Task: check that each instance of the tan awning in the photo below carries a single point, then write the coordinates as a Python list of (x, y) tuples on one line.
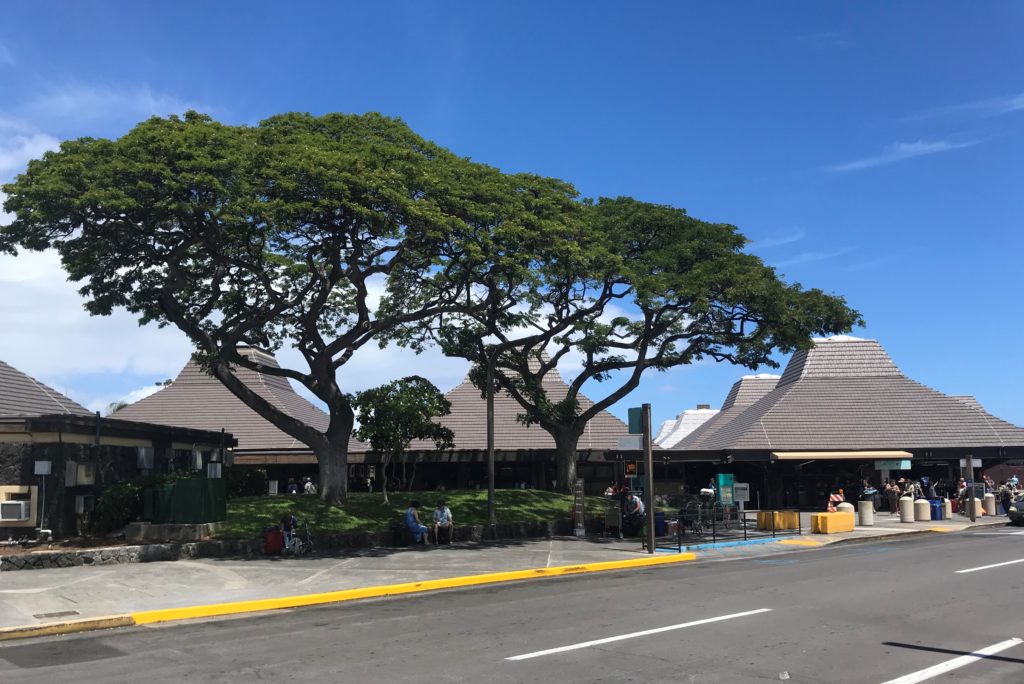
[(838, 455)]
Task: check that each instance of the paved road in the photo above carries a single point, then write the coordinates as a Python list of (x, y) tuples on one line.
[(862, 613)]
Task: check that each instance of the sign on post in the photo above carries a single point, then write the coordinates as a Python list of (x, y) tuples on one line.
[(741, 492), (579, 509), (636, 421), (724, 487), (631, 468)]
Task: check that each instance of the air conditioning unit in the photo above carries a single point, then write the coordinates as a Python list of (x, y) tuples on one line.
[(15, 510)]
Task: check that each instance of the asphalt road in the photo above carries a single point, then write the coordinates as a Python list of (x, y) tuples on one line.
[(855, 613)]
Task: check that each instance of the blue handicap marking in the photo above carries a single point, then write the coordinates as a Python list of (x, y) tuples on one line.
[(777, 561)]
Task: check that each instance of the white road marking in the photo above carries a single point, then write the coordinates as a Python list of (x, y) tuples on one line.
[(987, 567), (955, 663), (1001, 534), (633, 635), (323, 572)]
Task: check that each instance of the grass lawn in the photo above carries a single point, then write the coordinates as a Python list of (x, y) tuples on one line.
[(367, 512)]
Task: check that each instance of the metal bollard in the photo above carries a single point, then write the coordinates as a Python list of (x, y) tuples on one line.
[(906, 510), (990, 504), (866, 513), (922, 510)]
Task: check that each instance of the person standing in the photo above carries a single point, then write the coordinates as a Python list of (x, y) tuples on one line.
[(892, 494)]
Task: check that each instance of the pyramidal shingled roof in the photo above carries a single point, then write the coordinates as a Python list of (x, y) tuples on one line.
[(685, 423), (468, 421), (198, 400), (747, 391), (845, 393), (23, 395)]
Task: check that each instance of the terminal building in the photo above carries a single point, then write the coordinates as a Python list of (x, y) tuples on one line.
[(524, 455), (842, 411)]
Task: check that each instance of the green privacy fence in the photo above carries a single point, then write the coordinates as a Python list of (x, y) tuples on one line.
[(195, 500)]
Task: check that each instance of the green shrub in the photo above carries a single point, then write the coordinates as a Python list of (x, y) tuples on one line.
[(242, 481), (121, 503)]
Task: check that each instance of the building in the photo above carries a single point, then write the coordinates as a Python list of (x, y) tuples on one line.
[(842, 411), (56, 456), (673, 431), (197, 400)]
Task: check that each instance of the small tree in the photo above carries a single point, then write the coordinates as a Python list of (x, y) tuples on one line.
[(393, 415)]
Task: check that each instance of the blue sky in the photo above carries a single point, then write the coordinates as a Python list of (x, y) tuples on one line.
[(870, 149)]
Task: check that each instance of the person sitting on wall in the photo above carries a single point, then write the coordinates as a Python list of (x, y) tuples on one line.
[(308, 487), (443, 520), (293, 487), (412, 522)]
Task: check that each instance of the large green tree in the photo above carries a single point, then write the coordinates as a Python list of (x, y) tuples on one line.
[(664, 289), (319, 233), (393, 415)]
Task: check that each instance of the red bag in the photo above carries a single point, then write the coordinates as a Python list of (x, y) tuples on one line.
[(273, 543)]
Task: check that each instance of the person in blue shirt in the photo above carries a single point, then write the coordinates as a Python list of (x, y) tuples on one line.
[(412, 522)]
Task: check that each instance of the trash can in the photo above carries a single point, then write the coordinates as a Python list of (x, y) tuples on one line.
[(937, 508), (660, 526)]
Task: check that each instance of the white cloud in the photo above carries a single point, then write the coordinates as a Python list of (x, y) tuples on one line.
[(50, 336), (102, 402), (995, 106), (19, 144), (780, 239), (810, 256), (86, 104), (900, 151)]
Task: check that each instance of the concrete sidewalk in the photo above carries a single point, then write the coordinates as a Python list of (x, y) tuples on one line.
[(44, 596)]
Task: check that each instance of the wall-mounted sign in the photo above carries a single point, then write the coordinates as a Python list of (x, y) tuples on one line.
[(630, 467), (901, 464)]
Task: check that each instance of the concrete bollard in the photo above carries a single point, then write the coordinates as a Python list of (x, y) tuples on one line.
[(922, 510), (947, 509), (866, 513), (906, 510), (990, 504), (845, 506), (979, 510)]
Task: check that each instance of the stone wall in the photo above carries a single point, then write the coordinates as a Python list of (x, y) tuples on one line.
[(147, 553)]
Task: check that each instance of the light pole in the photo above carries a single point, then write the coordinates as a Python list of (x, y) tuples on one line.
[(492, 514)]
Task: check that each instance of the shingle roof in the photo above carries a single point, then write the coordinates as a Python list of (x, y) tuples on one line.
[(198, 400), (687, 421), (23, 395), (745, 392), (846, 393), (468, 421)]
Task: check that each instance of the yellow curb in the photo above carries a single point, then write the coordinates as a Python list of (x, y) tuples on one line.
[(800, 542), (937, 529), (51, 628), (218, 609)]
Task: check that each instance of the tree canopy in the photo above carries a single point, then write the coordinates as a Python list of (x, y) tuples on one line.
[(321, 233), (664, 289)]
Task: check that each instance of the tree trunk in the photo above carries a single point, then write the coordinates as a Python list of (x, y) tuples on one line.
[(333, 462), (565, 460)]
